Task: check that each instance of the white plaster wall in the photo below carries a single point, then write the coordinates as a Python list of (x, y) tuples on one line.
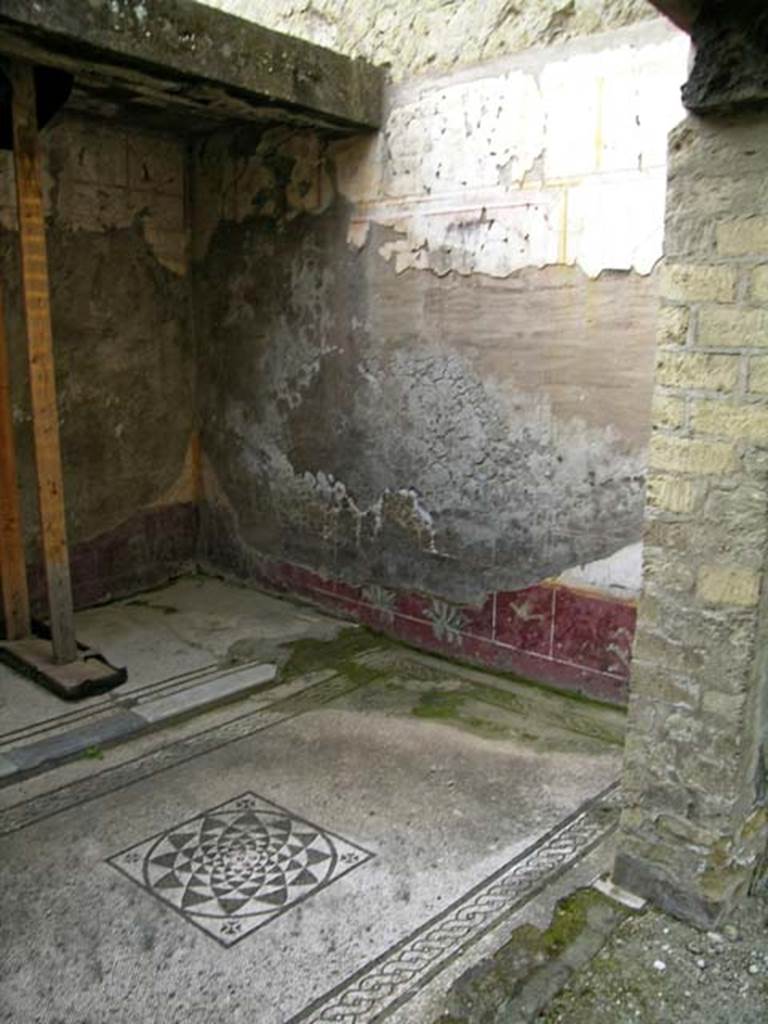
[(620, 574), (555, 158)]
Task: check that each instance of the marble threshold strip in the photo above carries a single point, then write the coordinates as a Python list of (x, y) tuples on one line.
[(126, 723)]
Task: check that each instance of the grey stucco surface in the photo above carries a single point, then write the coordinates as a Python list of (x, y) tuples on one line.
[(453, 434), (123, 344)]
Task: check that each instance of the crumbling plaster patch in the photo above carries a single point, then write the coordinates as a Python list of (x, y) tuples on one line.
[(557, 162), (117, 248), (99, 177), (380, 451), (620, 574), (557, 159), (482, 425)]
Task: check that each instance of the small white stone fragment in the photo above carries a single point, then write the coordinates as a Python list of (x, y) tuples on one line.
[(701, 963), (615, 892), (753, 969), (659, 965)]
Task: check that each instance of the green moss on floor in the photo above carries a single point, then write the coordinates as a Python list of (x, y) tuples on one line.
[(406, 686), (571, 917), (450, 706), (519, 970), (344, 654)]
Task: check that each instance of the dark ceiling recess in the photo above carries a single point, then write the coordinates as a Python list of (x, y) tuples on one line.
[(52, 90)]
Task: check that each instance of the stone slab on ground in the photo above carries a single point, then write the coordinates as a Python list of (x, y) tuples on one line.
[(123, 723), (117, 726), (208, 694), (523, 975)]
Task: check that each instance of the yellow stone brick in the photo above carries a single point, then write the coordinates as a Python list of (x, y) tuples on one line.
[(672, 327), (718, 585), (760, 284), (758, 375), (681, 455), (697, 370), (732, 326), (742, 422), (671, 494), (666, 412), (724, 705), (698, 282), (743, 236)]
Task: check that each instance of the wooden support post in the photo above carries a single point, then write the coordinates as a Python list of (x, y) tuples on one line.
[(34, 272), (13, 572)]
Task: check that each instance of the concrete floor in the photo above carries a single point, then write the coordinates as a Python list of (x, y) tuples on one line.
[(334, 848)]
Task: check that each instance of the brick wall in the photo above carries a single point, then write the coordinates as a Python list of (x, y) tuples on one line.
[(694, 823)]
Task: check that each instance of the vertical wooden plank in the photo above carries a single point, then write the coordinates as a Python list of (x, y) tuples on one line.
[(34, 271), (13, 572)]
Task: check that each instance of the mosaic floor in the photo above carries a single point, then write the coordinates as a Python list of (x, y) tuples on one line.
[(236, 867), (333, 850)]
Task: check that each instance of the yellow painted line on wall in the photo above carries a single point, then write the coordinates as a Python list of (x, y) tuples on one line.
[(562, 242), (599, 125)]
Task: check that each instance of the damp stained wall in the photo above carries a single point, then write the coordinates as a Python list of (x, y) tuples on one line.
[(427, 356), (118, 241)]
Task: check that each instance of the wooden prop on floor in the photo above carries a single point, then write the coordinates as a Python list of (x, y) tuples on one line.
[(57, 661), (13, 572)]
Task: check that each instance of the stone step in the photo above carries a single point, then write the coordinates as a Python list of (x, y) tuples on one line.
[(129, 721)]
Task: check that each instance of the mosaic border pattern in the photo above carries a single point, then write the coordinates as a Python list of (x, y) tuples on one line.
[(388, 982), (34, 809)]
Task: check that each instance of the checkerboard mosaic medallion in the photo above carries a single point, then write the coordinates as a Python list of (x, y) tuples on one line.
[(238, 866)]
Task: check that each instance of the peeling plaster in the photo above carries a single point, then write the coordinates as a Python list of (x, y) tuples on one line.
[(99, 178), (446, 431), (560, 163), (424, 470)]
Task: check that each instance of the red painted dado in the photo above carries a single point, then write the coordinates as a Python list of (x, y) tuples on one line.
[(575, 640)]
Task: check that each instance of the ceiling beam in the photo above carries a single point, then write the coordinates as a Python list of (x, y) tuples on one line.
[(181, 50)]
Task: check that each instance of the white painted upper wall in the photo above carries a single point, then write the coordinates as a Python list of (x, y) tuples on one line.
[(546, 158)]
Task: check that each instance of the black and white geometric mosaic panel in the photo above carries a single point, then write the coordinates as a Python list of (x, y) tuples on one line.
[(238, 866)]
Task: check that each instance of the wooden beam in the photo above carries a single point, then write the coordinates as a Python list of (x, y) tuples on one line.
[(45, 419), (189, 48), (13, 572)]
